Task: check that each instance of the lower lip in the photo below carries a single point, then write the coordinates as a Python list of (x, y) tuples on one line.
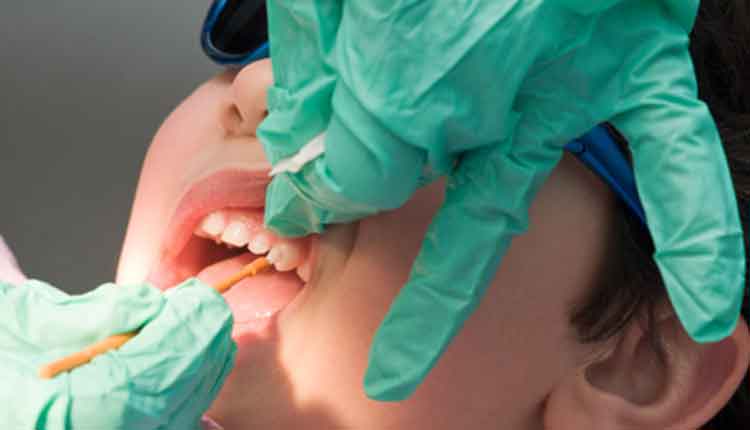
[(257, 300), (247, 329), (258, 303), (266, 328)]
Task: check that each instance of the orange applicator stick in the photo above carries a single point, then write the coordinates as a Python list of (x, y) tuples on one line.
[(258, 265), (113, 342)]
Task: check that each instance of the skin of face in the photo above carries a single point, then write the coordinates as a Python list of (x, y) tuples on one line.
[(497, 373)]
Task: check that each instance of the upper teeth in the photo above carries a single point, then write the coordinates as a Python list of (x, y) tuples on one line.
[(230, 227), (260, 244), (241, 229), (236, 234), (213, 224)]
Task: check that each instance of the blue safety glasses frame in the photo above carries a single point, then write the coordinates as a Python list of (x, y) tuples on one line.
[(235, 33), (599, 150)]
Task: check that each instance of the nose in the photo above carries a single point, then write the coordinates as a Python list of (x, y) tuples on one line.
[(246, 105)]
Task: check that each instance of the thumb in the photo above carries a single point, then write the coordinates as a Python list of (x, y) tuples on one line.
[(459, 256)]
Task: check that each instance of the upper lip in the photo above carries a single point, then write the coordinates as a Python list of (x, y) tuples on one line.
[(226, 188)]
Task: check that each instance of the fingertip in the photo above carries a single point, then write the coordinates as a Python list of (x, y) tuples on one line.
[(386, 389), (287, 214), (388, 379), (706, 318), (711, 331)]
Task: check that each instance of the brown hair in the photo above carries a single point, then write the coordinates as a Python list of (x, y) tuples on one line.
[(630, 284)]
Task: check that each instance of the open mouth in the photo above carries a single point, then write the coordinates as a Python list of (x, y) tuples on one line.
[(217, 229)]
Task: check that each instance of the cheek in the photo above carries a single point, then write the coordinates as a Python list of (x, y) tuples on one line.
[(508, 355), (504, 344), (334, 329), (187, 129)]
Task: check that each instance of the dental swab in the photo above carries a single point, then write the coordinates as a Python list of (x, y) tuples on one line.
[(116, 341)]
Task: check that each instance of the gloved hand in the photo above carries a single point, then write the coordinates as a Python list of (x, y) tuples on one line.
[(489, 93), (164, 378)]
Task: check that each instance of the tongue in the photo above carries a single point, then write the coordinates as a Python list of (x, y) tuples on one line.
[(257, 297)]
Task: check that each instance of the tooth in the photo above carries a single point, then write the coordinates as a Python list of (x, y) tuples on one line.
[(212, 225), (260, 244), (286, 255), (304, 271), (201, 233), (274, 256), (236, 234)]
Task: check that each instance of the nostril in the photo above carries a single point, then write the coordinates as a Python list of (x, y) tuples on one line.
[(248, 95), (231, 119)]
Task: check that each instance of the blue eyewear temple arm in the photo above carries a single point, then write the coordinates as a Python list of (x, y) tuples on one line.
[(598, 150)]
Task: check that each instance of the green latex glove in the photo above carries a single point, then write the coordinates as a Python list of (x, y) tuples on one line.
[(489, 93), (164, 378)]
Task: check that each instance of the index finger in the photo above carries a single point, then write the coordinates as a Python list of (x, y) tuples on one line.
[(459, 257)]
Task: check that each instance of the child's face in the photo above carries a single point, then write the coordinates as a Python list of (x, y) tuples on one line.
[(306, 369)]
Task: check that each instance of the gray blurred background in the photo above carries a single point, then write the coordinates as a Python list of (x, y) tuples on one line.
[(85, 85)]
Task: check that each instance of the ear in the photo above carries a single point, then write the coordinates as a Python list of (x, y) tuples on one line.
[(633, 386)]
